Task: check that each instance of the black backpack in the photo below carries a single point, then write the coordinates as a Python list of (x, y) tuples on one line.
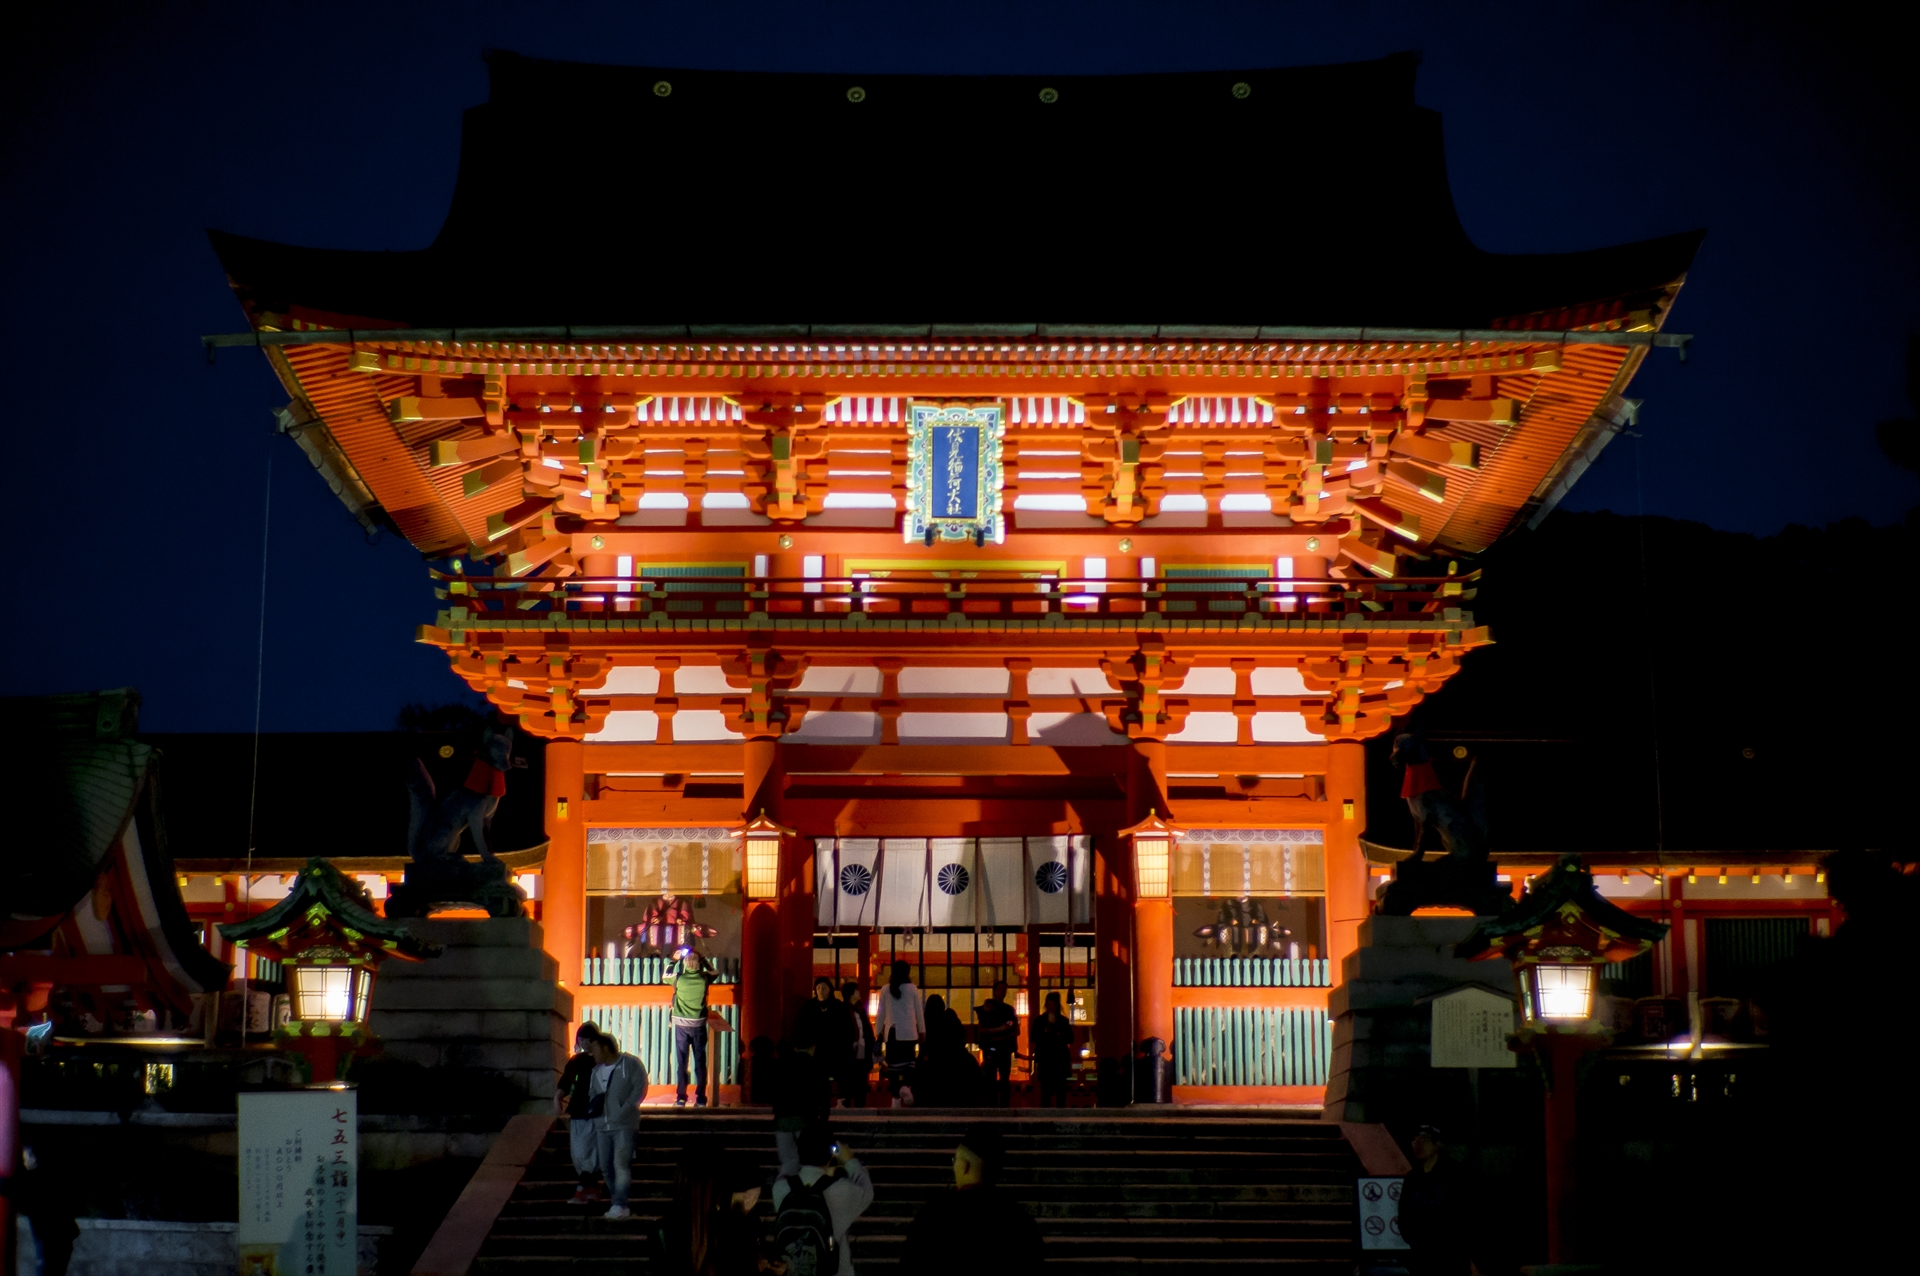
[(803, 1229)]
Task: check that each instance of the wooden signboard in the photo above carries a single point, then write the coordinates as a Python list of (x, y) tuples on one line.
[(1470, 1028)]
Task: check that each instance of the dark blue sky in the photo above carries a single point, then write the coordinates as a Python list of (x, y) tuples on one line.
[(127, 130)]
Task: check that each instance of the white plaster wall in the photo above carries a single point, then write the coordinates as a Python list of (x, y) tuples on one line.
[(840, 680), (838, 728), (917, 728), (631, 680), (1212, 681), (1208, 728), (627, 726), (1284, 728), (1067, 730), (690, 726), (943, 681), (700, 680), (1284, 680), (1068, 682)]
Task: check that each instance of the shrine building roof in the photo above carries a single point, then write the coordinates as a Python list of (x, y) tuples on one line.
[(697, 203)]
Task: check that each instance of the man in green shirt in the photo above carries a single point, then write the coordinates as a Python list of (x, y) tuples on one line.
[(689, 974)]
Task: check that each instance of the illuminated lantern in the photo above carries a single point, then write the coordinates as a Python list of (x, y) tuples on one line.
[(1557, 936), (761, 839), (331, 943), (1153, 855)]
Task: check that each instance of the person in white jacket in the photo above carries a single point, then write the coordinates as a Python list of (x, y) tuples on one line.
[(903, 1023), (848, 1192)]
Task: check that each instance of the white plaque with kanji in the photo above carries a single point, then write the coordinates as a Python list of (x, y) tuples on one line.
[(1470, 1029), (299, 1183)]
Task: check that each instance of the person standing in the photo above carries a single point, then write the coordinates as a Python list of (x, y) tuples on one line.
[(1432, 1204), (691, 977), (707, 1230), (1050, 1039), (802, 1095), (570, 1099), (832, 1028), (814, 1206), (903, 1022), (978, 1225), (619, 1084), (997, 1030), (853, 1082)]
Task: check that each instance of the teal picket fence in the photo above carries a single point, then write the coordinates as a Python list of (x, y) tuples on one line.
[(1252, 972), (1251, 1045), (647, 1031), (602, 972)]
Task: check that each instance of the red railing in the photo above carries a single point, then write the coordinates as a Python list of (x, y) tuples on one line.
[(982, 595)]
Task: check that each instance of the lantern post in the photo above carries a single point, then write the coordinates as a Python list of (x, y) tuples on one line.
[(1153, 840), (1558, 936), (331, 942), (761, 842)]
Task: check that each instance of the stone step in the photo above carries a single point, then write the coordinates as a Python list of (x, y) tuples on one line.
[(1111, 1194)]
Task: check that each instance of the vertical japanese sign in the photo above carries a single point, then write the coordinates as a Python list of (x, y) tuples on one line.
[(1470, 1030), (299, 1183), (954, 476)]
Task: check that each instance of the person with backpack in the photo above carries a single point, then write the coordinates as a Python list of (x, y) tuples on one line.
[(613, 1101), (978, 1225), (571, 1098), (690, 976), (813, 1209)]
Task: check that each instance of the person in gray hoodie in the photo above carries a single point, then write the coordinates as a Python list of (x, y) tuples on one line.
[(618, 1086)]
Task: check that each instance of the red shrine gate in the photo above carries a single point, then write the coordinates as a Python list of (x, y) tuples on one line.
[(968, 608)]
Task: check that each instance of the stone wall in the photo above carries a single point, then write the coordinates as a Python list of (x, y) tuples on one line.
[(490, 1001), (1383, 1020)]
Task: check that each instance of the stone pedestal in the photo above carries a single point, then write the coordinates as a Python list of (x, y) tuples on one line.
[(489, 1001), (1382, 1015)]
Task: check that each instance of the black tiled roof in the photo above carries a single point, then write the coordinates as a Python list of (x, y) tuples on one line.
[(650, 196), (324, 793)]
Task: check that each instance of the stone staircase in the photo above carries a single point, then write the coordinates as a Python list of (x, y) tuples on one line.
[(1220, 1192)]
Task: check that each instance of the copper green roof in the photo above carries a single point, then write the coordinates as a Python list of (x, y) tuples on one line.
[(79, 773), (322, 885), (1568, 882)]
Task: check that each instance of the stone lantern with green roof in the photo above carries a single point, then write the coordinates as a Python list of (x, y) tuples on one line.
[(331, 942)]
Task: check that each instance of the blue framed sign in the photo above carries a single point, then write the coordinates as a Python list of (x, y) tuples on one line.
[(954, 478)]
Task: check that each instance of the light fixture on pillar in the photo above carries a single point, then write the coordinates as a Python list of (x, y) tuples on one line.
[(329, 940), (761, 840), (330, 986), (1558, 937), (1153, 856)]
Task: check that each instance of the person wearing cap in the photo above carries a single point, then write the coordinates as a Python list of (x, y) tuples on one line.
[(1432, 1201), (979, 1224)]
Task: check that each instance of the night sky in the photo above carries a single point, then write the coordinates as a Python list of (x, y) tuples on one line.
[(128, 130)]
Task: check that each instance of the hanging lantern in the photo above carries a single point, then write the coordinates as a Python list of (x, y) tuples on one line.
[(329, 985), (761, 841), (330, 942), (1558, 988), (1153, 841)]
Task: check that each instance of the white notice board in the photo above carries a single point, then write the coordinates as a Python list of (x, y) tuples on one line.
[(1380, 1214), (299, 1183), (1470, 1029)]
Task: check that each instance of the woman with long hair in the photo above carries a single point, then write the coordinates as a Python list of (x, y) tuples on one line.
[(707, 1230), (903, 1022)]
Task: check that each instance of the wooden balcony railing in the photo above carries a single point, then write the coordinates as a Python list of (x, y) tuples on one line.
[(978, 596)]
